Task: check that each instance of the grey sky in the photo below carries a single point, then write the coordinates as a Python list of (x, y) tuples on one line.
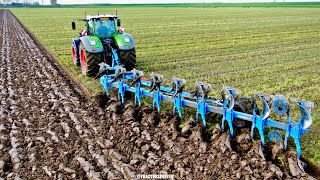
[(165, 1)]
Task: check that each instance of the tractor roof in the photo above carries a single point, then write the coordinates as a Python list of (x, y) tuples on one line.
[(101, 16)]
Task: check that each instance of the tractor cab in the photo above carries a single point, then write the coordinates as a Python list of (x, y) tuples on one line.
[(102, 26)]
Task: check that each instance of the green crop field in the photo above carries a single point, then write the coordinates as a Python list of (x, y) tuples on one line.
[(266, 49)]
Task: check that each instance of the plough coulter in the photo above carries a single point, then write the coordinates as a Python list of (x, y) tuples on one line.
[(263, 112)]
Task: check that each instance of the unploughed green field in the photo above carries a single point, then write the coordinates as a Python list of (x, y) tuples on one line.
[(273, 50)]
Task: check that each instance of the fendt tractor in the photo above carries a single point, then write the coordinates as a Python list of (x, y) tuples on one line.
[(102, 40)]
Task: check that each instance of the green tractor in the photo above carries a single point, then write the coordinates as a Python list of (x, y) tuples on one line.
[(102, 41)]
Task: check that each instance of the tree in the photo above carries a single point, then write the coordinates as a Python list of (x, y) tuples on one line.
[(6, 1), (53, 2)]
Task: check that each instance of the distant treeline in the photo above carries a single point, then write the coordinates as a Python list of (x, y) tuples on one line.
[(33, 3), (21, 3)]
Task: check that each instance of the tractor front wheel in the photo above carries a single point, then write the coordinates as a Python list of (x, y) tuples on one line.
[(128, 58), (89, 61)]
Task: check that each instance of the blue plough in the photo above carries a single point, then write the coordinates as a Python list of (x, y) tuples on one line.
[(228, 106)]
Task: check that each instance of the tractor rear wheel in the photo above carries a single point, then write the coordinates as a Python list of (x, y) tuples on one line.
[(128, 58), (89, 61)]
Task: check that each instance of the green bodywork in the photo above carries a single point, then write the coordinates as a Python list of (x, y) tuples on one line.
[(92, 44), (105, 28), (95, 42), (124, 41)]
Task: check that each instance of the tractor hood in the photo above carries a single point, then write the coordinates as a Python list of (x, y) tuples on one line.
[(124, 41)]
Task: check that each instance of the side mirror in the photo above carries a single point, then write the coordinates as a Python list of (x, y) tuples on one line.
[(73, 25), (118, 22)]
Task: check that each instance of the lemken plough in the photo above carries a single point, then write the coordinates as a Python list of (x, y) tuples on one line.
[(236, 111)]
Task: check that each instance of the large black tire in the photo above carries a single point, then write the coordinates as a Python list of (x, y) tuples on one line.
[(89, 61), (128, 58)]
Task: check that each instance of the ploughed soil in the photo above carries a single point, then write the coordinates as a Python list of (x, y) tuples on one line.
[(49, 131)]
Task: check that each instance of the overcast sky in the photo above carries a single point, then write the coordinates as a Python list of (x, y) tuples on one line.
[(165, 1)]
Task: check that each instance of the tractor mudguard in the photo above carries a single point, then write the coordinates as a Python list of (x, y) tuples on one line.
[(76, 43), (124, 41), (92, 44)]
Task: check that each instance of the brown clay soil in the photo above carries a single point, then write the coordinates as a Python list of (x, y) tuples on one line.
[(48, 130)]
